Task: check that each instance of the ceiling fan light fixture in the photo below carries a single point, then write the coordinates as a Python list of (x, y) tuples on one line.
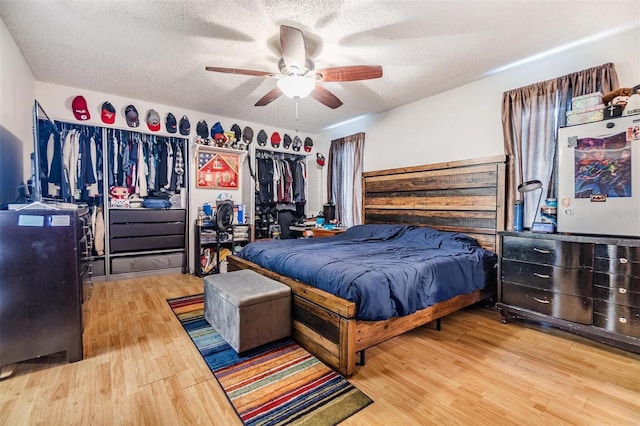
[(296, 86)]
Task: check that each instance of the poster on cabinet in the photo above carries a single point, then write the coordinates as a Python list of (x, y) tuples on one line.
[(217, 170)]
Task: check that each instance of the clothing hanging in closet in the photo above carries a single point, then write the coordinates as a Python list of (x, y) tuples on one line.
[(280, 179), (71, 165), (73, 156), (145, 164)]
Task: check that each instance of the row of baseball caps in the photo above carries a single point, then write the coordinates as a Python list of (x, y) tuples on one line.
[(108, 116)]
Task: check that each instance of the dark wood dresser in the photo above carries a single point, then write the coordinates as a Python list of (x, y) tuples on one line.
[(586, 285), (41, 283)]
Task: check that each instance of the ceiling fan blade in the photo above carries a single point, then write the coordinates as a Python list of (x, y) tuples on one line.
[(325, 97), (293, 50), (241, 71), (350, 73), (271, 96)]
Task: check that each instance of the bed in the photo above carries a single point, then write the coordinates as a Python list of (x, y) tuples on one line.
[(465, 198)]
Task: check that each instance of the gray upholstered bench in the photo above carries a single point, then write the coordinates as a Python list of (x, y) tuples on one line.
[(247, 309)]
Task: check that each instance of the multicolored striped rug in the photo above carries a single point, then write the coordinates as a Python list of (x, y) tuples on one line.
[(278, 383)]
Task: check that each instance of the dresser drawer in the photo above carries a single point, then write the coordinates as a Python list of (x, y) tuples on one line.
[(146, 215), (617, 260), (548, 252), (557, 305), (617, 318), (551, 278), (119, 245), (124, 265), (145, 229), (618, 289)]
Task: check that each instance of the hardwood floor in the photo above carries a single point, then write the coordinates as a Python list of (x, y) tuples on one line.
[(141, 368)]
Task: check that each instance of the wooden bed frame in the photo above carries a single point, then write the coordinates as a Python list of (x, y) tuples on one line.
[(462, 196)]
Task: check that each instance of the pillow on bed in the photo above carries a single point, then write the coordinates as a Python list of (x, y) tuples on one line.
[(423, 237), (377, 231), (459, 240), (431, 238)]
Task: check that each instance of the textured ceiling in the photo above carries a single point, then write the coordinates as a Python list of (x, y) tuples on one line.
[(157, 50)]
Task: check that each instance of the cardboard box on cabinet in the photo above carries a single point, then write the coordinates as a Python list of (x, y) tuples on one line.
[(585, 115), (586, 101)]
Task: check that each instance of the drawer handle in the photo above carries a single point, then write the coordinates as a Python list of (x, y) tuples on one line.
[(541, 275), (540, 300), (541, 250), (622, 290), (623, 260), (622, 320)]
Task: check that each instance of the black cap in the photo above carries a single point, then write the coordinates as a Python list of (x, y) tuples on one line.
[(171, 124), (185, 126), (202, 129), (247, 135), (262, 138), (237, 132), (286, 142)]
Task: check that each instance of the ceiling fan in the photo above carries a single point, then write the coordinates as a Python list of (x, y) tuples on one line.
[(298, 77)]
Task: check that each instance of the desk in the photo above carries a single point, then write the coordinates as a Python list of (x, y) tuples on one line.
[(317, 232), (324, 232)]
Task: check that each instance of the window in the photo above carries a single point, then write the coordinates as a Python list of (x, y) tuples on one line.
[(344, 178)]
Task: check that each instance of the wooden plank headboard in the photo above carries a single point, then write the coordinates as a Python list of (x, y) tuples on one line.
[(465, 196)]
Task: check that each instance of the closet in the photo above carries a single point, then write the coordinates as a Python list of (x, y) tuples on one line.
[(280, 192), (113, 171)]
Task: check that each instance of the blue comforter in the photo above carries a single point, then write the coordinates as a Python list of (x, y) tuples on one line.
[(387, 270)]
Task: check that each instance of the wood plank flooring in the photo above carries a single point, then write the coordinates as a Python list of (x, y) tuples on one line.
[(141, 368)]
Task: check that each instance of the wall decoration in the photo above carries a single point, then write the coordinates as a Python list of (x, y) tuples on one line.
[(217, 170)]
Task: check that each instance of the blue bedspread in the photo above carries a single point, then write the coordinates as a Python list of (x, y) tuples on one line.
[(387, 270)]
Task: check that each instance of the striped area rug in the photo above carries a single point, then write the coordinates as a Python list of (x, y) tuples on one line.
[(278, 383)]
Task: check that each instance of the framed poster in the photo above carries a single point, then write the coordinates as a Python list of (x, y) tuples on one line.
[(217, 170)]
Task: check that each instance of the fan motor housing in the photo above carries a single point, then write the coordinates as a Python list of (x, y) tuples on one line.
[(223, 216)]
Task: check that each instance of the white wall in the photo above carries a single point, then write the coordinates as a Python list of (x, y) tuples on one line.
[(466, 122), (16, 94)]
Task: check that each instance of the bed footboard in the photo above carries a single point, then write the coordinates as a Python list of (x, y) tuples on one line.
[(322, 323), (325, 325)]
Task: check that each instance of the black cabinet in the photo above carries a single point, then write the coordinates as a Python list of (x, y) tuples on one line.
[(209, 242), (41, 289), (587, 285), (143, 240), (548, 276), (616, 287)]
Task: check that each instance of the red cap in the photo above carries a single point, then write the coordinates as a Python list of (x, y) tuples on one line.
[(308, 144), (108, 113), (153, 120), (275, 139), (79, 107)]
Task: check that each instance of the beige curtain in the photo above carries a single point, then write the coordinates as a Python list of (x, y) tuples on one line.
[(344, 178), (531, 117)]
